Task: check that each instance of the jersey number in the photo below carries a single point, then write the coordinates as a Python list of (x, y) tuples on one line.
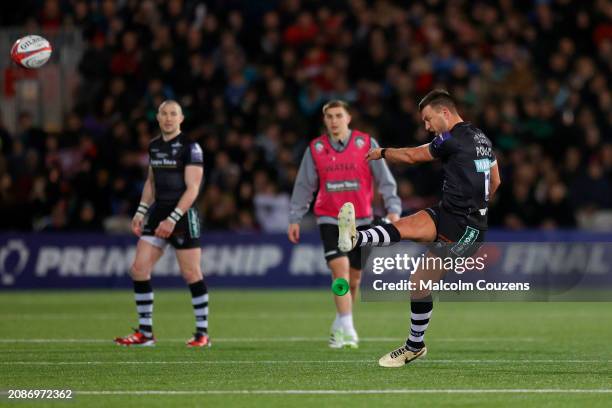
[(484, 166)]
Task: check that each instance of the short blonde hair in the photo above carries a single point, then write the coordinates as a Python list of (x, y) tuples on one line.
[(336, 103), (168, 102)]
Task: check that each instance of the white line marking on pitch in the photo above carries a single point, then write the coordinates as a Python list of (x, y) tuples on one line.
[(279, 339), (351, 392), (357, 361)]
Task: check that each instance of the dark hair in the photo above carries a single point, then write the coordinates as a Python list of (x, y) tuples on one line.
[(336, 103), (437, 98)]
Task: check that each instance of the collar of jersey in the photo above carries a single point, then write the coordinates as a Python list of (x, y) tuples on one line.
[(344, 145), (458, 124), (171, 140)]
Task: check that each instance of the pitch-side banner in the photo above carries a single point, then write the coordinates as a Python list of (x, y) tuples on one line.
[(32, 261), (103, 261)]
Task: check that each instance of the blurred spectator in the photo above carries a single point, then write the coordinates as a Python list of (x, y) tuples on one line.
[(272, 208), (533, 75)]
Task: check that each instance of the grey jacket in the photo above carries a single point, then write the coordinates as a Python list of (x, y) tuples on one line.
[(307, 182)]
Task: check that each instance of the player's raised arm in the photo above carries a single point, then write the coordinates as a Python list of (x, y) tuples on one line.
[(408, 155)]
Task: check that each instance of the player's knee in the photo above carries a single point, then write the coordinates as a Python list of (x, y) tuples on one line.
[(419, 294), (192, 274), (139, 271)]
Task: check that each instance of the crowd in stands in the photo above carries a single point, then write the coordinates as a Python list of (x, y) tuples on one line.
[(252, 77)]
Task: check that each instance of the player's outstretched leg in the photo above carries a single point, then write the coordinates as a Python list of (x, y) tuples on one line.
[(349, 237)]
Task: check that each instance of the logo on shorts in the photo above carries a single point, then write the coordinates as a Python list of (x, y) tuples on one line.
[(465, 242), (359, 142)]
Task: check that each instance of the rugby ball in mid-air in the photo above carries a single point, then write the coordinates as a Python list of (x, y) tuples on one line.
[(31, 51)]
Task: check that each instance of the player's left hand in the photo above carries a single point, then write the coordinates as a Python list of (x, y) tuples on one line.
[(164, 229), (374, 154)]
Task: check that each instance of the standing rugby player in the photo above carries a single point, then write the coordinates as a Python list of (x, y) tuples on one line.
[(471, 177), (170, 191), (334, 165)]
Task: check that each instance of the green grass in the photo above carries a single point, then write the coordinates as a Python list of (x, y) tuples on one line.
[(472, 346)]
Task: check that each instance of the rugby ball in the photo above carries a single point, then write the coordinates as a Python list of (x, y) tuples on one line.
[(31, 51)]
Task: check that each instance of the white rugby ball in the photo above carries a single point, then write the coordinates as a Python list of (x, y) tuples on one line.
[(31, 51)]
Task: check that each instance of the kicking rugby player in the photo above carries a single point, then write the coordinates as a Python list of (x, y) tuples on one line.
[(471, 177)]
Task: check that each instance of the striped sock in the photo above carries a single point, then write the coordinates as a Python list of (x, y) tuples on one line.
[(143, 293), (199, 300), (380, 235), (419, 320)]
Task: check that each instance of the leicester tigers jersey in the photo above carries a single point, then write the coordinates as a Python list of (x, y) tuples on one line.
[(467, 156), (168, 160)]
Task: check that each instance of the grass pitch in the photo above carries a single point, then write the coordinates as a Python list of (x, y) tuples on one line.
[(270, 349)]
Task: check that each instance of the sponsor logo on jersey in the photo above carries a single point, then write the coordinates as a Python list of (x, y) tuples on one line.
[(480, 138), (483, 151), (482, 165), (340, 166), (163, 163), (196, 153), (342, 185), (175, 147)]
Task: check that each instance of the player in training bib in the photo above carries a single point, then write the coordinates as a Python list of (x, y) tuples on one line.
[(334, 165), (471, 177), (170, 191)]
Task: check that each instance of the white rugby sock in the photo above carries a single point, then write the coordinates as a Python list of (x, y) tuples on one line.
[(346, 322), (336, 323)]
